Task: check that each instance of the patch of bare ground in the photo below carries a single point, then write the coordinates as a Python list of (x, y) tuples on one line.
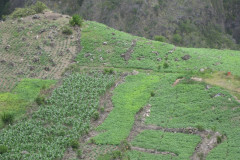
[(127, 55), (89, 150), (208, 138)]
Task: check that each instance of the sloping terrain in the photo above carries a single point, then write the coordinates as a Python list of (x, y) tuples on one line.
[(115, 96), (192, 23)]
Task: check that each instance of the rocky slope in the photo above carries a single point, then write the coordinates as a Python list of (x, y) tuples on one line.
[(192, 23)]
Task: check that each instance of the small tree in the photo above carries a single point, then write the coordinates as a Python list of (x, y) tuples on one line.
[(39, 7), (76, 20)]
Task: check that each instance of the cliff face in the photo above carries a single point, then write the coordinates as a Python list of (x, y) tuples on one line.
[(193, 23)]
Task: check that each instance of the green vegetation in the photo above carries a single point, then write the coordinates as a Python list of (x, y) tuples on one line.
[(160, 38), (183, 145), (38, 7), (136, 155), (190, 104), (67, 30), (128, 98), (15, 102), (76, 20), (64, 118)]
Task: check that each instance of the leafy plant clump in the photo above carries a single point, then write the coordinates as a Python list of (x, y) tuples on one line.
[(40, 100), (3, 149), (67, 30), (7, 118), (76, 20), (38, 7), (75, 144), (160, 38)]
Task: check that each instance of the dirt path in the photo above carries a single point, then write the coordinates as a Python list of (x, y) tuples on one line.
[(127, 55), (90, 150), (208, 138)]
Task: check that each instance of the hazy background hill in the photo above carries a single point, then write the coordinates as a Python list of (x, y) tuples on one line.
[(191, 23)]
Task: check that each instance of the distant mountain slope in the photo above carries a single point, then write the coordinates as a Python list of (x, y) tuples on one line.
[(192, 23)]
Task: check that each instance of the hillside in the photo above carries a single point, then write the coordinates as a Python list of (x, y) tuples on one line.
[(191, 23), (102, 94)]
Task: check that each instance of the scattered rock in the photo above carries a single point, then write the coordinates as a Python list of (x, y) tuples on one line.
[(123, 55), (87, 55), (208, 87), (39, 48), (134, 72), (186, 57), (3, 62), (31, 68), (33, 75), (7, 47), (176, 59), (218, 95), (11, 64), (101, 58), (46, 68), (20, 29), (36, 17), (42, 31), (24, 39), (113, 34), (105, 43), (68, 51), (36, 60), (196, 79), (24, 152), (72, 37), (202, 70), (155, 53), (159, 59)]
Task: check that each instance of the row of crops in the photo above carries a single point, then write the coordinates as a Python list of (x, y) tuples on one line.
[(64, 118)]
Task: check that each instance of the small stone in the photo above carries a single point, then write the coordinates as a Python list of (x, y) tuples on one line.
[(36, 17), (176, 59), (87, 55), (46, 68), (7, 47), (202, 70), (159, 59), (24, 152), (186, 57), (105, 43), (134, 72)]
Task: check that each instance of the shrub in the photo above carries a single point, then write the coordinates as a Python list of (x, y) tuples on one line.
[(76, 20), (3, 149), (102, 109), (200, 128), (79, 153), (108, 71), (39, 7), (40, 100), (177, 38), (67, 30), (7, 118), (124, 146), (152, 94), (160, 38), (165, 65), (22, 12), (219, 139), (95, 116), (74, 144)]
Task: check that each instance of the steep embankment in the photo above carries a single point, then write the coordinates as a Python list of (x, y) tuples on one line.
[(192, 23)]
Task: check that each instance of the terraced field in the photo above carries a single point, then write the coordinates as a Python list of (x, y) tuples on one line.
[(126, 97)]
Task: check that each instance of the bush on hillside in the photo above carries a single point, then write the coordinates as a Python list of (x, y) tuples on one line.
[(177, 38), (76, 20), (67, 30), (160, 38), (38, 7), (7, 118)]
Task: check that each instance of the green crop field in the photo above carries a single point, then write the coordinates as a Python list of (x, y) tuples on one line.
[(110, 95)]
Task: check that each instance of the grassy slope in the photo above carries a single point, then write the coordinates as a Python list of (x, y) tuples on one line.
[(24, 93), (94, 34), (127, 100)]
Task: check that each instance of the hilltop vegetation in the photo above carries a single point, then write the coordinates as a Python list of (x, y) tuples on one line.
[(82, 90), (191, 23)]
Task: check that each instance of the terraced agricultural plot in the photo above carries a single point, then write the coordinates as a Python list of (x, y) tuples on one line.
[(64, 118), (34, 48), (104, 46)]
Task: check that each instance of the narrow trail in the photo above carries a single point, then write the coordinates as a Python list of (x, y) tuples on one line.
[(208, 138)]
